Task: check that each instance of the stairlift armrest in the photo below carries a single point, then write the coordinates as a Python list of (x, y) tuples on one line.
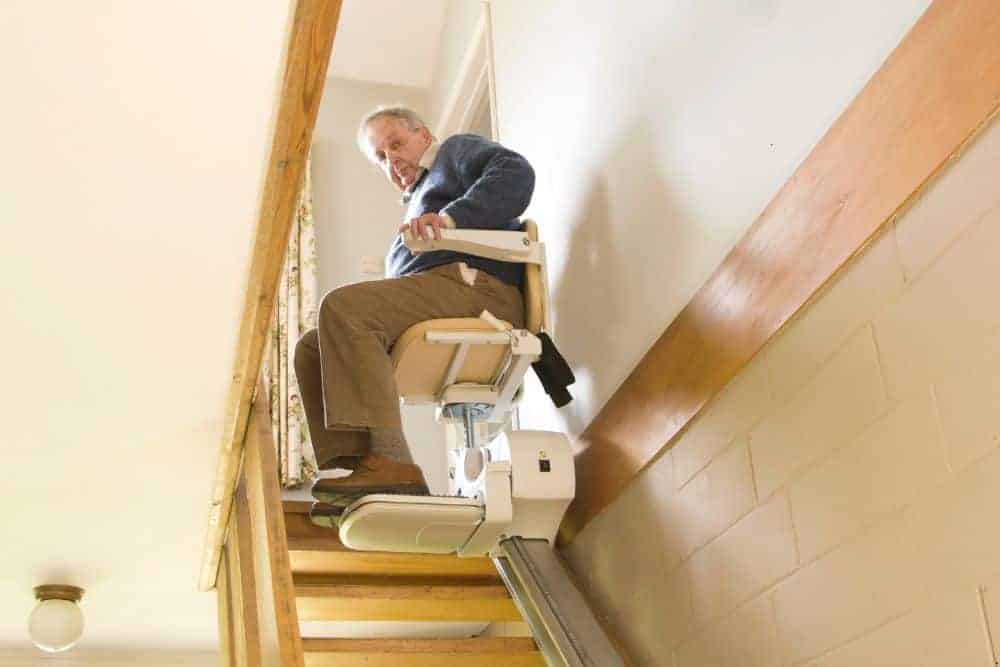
[(503, 246)]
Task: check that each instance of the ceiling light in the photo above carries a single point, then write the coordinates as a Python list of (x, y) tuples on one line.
[(57, 621)]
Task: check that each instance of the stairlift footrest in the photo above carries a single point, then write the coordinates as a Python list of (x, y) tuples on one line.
[(410, 524)]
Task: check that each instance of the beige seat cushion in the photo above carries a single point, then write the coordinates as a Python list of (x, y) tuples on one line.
[(421, 366)]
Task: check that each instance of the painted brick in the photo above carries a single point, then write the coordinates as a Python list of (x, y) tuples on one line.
[(969, 405), (944, 632), (990, 599), (944, 321), (658, 619), (744, 561), (848, 593), (845, 396), (713, 500), (634, 529), (748, 638), (866, 285), (954, 528), (963, 193), (883, 470), (738, 407)]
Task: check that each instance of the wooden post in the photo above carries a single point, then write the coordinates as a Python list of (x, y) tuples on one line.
[(222, 594), (263, 546)]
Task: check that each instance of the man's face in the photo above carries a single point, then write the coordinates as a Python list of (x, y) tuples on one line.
[(397, 149)]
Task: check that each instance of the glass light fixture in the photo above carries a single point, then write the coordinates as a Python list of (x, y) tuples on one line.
[(56, 623)]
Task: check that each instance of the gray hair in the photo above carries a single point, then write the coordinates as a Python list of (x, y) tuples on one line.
[(412, 119)]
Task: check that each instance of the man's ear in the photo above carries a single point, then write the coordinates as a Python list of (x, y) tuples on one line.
[(426, 135)]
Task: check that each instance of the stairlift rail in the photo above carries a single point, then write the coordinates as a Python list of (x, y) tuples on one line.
[(566, 630)]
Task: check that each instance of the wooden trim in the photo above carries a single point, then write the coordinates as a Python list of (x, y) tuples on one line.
[(498, 651), (277, 616), (931, 96), (308, 51), (491, 70), (470, 85)]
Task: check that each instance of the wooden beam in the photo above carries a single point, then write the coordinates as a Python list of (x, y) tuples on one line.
[(307, 55), (389, 600), (939, 87), (281, 644), (478, 652)]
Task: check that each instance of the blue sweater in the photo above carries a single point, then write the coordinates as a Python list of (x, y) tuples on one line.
[(480, 185)]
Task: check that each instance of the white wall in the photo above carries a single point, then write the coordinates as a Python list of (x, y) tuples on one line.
[(837, 504), (659, 131), (357, 213), (462, 18), (137, 136), (27, 657)]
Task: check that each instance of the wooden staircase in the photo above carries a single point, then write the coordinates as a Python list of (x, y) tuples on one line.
[(333, 583), (279, 570)]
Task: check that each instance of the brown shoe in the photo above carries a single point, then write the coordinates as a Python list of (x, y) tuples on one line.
[(327, 516), (374, 474), (341, 463)]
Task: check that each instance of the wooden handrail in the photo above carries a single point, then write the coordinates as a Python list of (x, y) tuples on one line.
[(930, 98), (307, 54)]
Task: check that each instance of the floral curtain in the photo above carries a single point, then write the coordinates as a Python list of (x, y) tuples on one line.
[(294, 314)]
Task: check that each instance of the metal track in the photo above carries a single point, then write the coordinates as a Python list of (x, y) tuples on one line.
[(566, 630)]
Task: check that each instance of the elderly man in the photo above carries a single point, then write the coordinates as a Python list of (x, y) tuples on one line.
[(343, 367)]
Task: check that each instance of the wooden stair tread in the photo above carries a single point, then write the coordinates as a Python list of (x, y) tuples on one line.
[(401, 599), (476, 652), (473, 645), (395, 588)]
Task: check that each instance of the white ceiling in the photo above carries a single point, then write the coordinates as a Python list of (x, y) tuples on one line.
[(135, 135), (389, 41)]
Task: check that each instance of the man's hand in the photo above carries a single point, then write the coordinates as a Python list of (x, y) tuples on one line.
[(427, 226)]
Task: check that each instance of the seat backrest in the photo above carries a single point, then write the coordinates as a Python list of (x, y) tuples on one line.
[(534, 288)]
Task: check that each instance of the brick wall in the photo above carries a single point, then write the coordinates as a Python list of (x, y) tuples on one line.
[(839, 502)]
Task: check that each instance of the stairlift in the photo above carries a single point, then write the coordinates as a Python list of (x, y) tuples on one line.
[(508, 491), (517, 483)]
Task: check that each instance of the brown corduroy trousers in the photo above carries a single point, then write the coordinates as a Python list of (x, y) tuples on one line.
[(343, 367)]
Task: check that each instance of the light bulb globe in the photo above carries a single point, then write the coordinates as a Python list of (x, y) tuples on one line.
[(55, 624)]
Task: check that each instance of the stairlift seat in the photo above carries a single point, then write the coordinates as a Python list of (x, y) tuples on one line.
[(472, 368), (422, 367)]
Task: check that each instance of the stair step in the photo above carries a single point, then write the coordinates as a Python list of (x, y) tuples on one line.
[(401, 599), (478, 652), (317, 550)]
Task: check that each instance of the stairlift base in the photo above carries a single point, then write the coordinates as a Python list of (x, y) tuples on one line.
[(518, 485)]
